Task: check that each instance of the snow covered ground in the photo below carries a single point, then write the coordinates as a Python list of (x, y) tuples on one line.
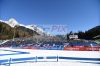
[(29, 57)]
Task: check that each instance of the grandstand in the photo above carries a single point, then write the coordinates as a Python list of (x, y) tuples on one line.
[(48, 45)]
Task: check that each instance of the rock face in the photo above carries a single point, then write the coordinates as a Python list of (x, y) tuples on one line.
[(5, 31)]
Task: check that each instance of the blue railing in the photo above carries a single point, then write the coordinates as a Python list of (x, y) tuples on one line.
[(8, 62)]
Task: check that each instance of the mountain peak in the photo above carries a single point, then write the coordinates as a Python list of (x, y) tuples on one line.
[(12, 22)]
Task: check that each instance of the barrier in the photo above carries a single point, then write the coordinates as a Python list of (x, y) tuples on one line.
[(8, 62), (82, 48)]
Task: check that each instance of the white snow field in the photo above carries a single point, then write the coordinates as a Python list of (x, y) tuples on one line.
[(29, 57)]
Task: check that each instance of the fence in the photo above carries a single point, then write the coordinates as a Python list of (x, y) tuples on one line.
[(8, 62)]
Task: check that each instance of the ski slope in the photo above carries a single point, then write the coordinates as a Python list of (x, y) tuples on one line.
[(29, 57)]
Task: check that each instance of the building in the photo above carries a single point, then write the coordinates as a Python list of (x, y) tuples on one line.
[(73, 36)]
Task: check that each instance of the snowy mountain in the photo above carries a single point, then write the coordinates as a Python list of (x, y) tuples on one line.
[(36, 28), (12, 22)]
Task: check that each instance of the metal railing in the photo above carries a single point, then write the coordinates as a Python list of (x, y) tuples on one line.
[(8, 62)]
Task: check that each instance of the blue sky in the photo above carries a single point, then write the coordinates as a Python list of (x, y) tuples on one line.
[(75, 14)]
